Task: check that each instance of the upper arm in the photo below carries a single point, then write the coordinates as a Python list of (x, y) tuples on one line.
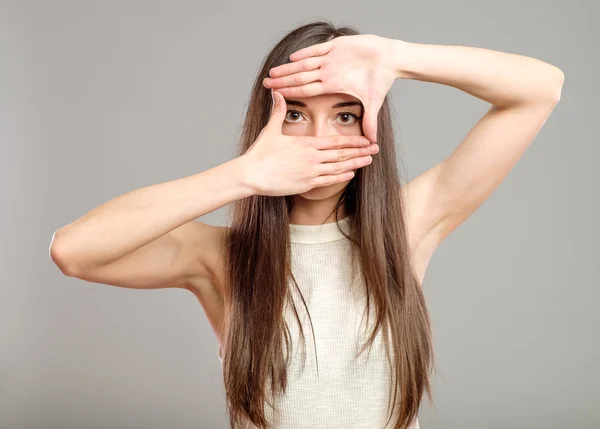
[(171, 260), (441, 198)]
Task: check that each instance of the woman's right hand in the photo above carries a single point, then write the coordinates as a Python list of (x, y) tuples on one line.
[(278, 164)]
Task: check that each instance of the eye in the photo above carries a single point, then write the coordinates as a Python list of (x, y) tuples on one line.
[(295, 114), (348, 118)]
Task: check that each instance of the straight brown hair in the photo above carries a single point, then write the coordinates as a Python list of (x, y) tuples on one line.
[(257, 255)]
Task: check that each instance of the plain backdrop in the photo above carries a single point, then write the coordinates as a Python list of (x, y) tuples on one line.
[(98, 98)]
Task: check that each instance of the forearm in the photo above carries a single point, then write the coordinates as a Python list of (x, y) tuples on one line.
[(500, 78), (131, 220)]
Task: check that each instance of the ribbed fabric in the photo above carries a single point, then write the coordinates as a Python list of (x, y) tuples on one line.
[(349, 391)]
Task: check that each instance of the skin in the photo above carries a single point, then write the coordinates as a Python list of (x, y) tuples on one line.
[(306, 116), (133, 242), (189, 255), (316, 116)]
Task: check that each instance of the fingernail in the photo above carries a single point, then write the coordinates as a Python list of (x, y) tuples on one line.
[(272, 96)]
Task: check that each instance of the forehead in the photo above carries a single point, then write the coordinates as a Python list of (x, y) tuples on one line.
[(323, 100)]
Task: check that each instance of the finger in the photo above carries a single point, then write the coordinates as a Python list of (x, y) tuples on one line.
[(278, 111), (369, 122), (297, 79), (342, 154), (340, 141), (340, 167), (312, 51), (330, 179), (295, 67), (308, 90)]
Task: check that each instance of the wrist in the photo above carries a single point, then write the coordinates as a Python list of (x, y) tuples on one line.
[(404, 55), (243, 173)]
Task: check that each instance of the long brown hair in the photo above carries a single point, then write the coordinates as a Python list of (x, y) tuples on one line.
[(257, 255)]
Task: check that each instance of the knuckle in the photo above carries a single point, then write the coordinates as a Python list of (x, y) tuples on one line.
[(309, 143), (313, 157), (317, 143)]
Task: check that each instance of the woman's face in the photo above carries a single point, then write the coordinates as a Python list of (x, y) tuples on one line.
[(323, 115)]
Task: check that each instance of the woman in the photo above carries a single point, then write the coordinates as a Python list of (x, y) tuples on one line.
[(322, 234)]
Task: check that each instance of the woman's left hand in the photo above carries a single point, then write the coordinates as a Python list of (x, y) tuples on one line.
[(363, 66)]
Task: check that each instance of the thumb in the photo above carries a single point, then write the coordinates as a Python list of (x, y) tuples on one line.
[(278, 110), (369, 123)]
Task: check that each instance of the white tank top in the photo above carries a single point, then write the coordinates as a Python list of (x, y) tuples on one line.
[(348, 391)]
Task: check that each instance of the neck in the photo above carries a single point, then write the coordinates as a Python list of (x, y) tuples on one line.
[(316, 212)]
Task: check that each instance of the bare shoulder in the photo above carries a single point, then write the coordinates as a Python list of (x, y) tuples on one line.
[(208, 242), (420, 220)]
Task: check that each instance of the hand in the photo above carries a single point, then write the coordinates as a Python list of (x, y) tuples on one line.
[(361, 65), (278, 164)]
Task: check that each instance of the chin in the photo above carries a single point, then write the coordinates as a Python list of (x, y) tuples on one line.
[(324, 192)]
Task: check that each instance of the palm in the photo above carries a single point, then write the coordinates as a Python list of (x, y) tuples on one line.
[(360, 66)]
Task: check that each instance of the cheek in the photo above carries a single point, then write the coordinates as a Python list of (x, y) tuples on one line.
[(302, 129), (293, 130), (350, 130)]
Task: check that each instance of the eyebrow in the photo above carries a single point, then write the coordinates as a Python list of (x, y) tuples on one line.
[(342, 104)]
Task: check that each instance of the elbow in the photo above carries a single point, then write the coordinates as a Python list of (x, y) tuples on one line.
[(550, 93), (58, 255), (559, 80)]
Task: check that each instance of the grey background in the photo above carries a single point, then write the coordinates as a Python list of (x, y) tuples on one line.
[(99, 98)]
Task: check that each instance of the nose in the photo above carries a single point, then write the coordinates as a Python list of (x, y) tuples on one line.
[(321, 128)]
